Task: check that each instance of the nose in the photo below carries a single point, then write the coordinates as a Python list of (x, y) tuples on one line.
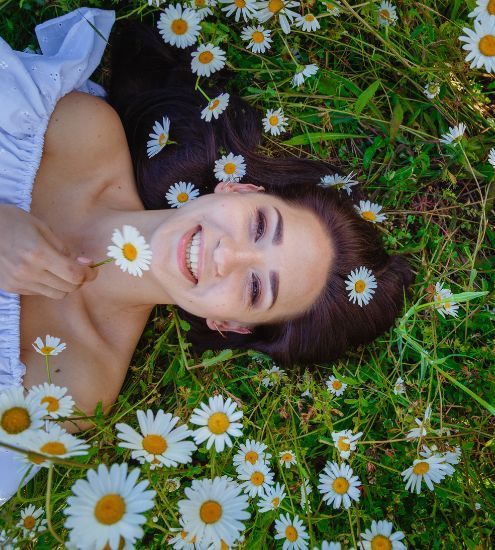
[(229, 255)]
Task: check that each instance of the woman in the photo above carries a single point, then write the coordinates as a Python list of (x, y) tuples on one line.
[(273, 253)]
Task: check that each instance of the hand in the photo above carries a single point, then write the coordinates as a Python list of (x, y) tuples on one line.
[(33, 260)]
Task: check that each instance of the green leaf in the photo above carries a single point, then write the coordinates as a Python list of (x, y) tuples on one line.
[(224, 355), (366, 96), (397, 116), (312, 137)]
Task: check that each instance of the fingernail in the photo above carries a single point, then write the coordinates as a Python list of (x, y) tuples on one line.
[(83, 260)]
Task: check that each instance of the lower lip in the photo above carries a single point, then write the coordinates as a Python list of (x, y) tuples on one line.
[(181, 254)]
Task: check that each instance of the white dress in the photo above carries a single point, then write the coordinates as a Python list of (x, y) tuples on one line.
[(30, 86)]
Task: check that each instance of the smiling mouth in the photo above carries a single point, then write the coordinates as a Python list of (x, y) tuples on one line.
[(192, 254)]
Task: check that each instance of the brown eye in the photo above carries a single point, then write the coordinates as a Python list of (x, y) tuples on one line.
[(255, 289), (261, 226)]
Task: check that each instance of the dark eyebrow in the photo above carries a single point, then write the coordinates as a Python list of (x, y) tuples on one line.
[(278, 235), (274, 281)]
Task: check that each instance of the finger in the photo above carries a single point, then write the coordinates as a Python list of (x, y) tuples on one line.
[(38, 289), (49, 279), (50, 236), (67, 268)]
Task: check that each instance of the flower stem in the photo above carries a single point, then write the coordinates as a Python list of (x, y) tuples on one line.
[(107, 261), (48, 374), (47, 506)]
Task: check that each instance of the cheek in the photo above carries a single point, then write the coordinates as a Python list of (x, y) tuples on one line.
[(222, 300)]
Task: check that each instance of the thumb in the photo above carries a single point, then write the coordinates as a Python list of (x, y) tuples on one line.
[(90, 274)]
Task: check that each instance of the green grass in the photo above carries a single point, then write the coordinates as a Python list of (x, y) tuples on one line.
[(365, 110)]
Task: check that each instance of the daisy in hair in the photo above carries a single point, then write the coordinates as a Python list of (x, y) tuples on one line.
[(345, 442), (333, 7), (218, 421), (338, 486), (18, 415), (130, 251), (159, 138), (259, 38), (108, 507), (214, 510), (230, 168), (287, 458), (302, 73), (370, 211), (335, 386), (51, 345), (380, 535), (387, 13), (181, 193), (179, 25), (272, 498), (430, 470), (251, 452), (247, 8), (53, 397), (215, 107), (31, 522), (339, 182), (360, 285), (307, 22), (203, 7), (255, 479), (281, 9), (454, 135), (292, 532), (431, 90), (159, 441), (207, 59), (448, 307), (480, 44), (275, 122)]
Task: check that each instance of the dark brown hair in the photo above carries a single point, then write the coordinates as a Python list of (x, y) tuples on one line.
[(149, 80)]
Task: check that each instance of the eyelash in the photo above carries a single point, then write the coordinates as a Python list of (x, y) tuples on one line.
[(255, 282)]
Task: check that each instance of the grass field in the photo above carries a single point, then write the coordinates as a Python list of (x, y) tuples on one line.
[(366, 111)]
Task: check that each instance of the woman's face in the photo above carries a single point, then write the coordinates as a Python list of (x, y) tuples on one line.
[(239, 257)]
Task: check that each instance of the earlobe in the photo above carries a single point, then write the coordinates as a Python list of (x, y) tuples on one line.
[(227, 326), (232, 187)]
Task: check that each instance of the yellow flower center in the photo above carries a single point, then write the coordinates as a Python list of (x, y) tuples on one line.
[(385, 14), (343, 444), (273, 120), (258, 37), (179, 26), (229, 168), (330, 5), (205, 57), (223, 545), (29, 522), (53, 448), (252, 456), (218, 423), (490, 8), (154, 444), (15, 420), (287, 457), (359, 286), (275, 6), (368, 215), (336, 384), (121, 545), (200, 3), (340, 485), (35, 459), (182, 197), (421, 468), (309, 17), (162, 140), (46, 350), (257, 479), (291, 533), (214, 105), (240, 3), (276, 502), (381, 543), (210, 511), (110, 509), (53, 403), (129, 251)]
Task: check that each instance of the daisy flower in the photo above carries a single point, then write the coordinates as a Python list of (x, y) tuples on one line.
[(281, 9), (251, 452), (292, 531), (159, 138), (491, 157), (273, 376), (451, 458), (361, 284), (182, 539), (159, 442), (453, 136), (370, 211), (339, 182), (18, 414), (307, 393), (215, 107), (333, 7), (335, 386), (416, 433), (203, 7), (307, 22), (287, 458), (51, 345), (53, 397), (387, 13), (7, 542), (480, 44), (255, 478), (431, 90), (31, 521), (399, 386), (207, 59), (380, 536), (218, 421), (247, 8), (306, 489), (53, 441), (338, 486), (214, 510), (345, 442), (108, 506), (130, 251), (259, 38), (302, 73), (274, 122), (179, 25), (430, 470), (484, 9), (181, 193), (171, 484), (449, 307), (272, 498), (230, 168), (330, 546)]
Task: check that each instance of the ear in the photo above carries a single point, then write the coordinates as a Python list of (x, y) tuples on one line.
[(232, 187), (227, 326)]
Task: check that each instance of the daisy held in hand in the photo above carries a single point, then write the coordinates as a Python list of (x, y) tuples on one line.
[(130, 251)]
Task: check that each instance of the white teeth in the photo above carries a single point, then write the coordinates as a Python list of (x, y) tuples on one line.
[(192, 254)]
